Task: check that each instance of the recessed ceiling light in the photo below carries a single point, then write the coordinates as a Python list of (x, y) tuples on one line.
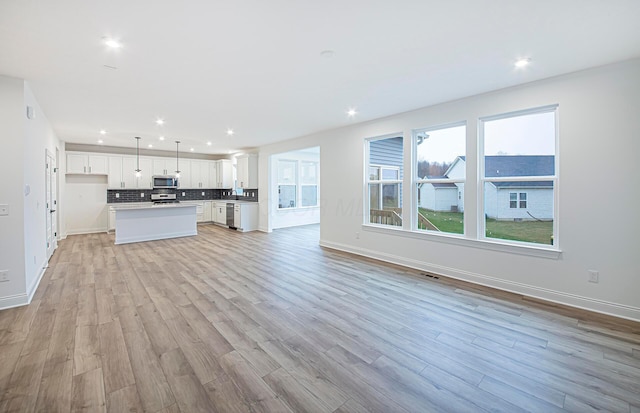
[(191, 149), (351, 112), (103, 132), (160, 121), (209, 143), (230, 132), (112, 43), (161, 138), (100, 141), (520, 63), (150, 146)]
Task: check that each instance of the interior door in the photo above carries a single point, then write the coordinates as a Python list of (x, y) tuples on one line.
[(51, 203)]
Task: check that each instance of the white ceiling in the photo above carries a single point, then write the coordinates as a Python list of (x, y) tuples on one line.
[(256, 66)]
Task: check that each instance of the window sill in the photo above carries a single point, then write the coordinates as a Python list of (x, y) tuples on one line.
[(528, 250)]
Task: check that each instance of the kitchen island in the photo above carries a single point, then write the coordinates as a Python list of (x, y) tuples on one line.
[(149, 222)]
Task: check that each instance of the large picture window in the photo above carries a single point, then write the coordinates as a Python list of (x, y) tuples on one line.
[(439, 175), (384, 180), (513, 173), (518, 175)]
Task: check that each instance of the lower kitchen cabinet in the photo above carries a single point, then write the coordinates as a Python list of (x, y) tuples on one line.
[(245, 216), (219, 212)]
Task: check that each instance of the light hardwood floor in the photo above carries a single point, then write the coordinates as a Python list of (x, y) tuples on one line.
[(231, 322)]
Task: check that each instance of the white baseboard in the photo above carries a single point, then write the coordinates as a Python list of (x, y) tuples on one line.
[(82, 231), (36, 282), (572, 300), (13, 301)]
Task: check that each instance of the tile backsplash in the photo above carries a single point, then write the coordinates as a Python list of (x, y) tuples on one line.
[(144, 195)]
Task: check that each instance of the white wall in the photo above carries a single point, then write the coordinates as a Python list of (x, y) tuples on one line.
[(12, 255), (22, 165), (86, 204), (39, 137), (598, 127)]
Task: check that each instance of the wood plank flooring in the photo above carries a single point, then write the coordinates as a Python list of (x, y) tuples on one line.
[(254, 322)]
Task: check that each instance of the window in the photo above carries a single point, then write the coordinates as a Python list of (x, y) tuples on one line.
[(518, 174), (309, 183), (294, 192), (384, 183), (439, 176), (513, 200), (513, 172), (287, 184)]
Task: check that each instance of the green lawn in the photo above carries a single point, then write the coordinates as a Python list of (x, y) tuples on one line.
[(527, 231), (445, 221)]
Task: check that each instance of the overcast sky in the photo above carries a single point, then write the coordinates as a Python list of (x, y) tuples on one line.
[(521, 135)]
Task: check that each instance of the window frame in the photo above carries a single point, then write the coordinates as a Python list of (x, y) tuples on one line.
[(297, 183), (366, 213), (483, 180), (416, 181)]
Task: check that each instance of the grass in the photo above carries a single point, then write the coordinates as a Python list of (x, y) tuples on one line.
[(526, 231), (452, 222)]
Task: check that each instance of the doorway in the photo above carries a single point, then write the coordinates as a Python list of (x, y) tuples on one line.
[(51, 190), (295, 188)]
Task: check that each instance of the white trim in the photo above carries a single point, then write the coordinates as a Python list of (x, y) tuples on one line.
[(83, 231), (34, 285), (571, 300), (511, 247), (13, 301)]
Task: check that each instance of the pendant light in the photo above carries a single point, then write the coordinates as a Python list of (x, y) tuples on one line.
[(177, 168), (138, 170)]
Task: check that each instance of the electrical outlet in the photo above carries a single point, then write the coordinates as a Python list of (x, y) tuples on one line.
[(117, 195), (183, 194), (4, 209), (141, 194), (4, 276), (203, 194), (594, 276)]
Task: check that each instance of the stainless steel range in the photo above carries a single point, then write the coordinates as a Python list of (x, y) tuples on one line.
[(164, 198)]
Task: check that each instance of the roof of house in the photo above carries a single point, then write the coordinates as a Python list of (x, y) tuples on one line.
[(517, 165)]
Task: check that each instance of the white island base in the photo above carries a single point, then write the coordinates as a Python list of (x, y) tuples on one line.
[(154, 222)]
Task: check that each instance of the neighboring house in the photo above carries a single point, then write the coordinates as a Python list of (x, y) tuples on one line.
[(503, 200), (385, 163)]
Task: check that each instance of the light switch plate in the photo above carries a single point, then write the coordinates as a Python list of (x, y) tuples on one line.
[(4, 209)]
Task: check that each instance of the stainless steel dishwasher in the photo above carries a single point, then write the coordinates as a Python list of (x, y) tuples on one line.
[(230, 221)]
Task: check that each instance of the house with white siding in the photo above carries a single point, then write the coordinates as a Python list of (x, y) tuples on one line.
[(505, 200)]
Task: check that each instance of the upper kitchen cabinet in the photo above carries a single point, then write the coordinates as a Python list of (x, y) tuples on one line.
[(221, 174), (122, 173), (247, 171), (164, 166), (82, 163), (201, 173)]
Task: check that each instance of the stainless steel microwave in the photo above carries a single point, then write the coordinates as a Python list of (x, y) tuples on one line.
[(165, 181)]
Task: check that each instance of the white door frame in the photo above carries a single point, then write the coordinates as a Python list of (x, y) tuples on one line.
[(51, 203)]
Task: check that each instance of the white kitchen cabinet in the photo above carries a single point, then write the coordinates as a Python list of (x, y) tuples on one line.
[(245, 216), (207, 211), (112, 219), (247, 171), (220, 213), (200, 173), (164, 166), (82, 163), (122, 173), (221, 174)]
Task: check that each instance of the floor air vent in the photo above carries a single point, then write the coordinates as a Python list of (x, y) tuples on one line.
[(435, 277)]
